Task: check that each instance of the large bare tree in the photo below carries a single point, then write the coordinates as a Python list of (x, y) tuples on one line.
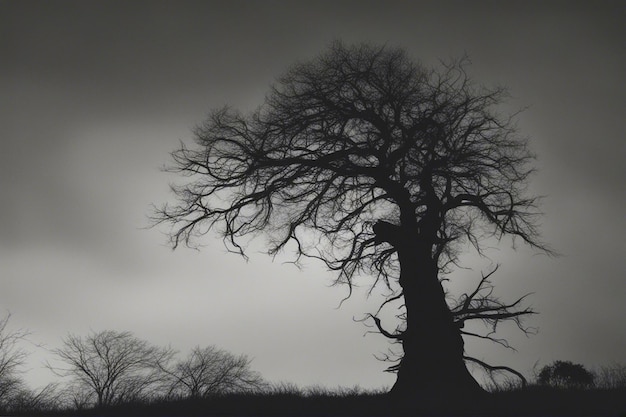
[(376, 166)]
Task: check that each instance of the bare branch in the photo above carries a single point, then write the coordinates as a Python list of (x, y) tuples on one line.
[(491, 369), (208, 371), (396, 335), (482, 305)]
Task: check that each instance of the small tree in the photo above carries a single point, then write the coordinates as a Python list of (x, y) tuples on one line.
[(210, 370), (112, 366), (565, 374)]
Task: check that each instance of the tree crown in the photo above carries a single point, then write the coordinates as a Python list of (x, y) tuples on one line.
[(357, 136)]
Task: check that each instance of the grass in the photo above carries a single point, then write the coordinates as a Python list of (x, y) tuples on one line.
[(290, 401)]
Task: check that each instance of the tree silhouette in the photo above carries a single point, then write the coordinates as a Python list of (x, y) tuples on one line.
[(111, 367), (565, 374), (208, 371), (376, 166)]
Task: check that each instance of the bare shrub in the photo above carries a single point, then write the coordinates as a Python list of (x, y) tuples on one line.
[(611, 376), (207, 371)]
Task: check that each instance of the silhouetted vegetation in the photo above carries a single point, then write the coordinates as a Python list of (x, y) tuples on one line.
[(15, 395), (288, 400), (143, 379), (11, 359), (610, 376), (375, 165), (565, 374), (210, 371), (111, 367)]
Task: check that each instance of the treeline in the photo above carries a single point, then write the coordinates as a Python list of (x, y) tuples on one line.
[(109, 368), (112, 370)]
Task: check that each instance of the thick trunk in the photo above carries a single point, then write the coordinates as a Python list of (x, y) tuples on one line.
[(432, 368)]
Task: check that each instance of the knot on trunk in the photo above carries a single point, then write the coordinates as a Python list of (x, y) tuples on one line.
[(385, 232)]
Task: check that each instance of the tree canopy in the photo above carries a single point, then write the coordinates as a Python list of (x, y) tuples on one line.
[(339, 143)]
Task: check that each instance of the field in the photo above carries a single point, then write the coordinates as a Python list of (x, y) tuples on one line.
[(534, 401)]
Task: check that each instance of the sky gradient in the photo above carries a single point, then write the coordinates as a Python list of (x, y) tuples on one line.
[(94, 95)]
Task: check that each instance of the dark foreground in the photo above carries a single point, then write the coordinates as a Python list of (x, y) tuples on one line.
[(531, 402)]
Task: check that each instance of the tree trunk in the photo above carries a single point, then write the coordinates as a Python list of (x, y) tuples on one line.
[(432, 369)]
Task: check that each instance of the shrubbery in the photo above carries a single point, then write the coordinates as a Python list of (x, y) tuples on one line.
[(565, 374)]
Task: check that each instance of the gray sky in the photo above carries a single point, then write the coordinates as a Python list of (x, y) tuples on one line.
[(93, 96)]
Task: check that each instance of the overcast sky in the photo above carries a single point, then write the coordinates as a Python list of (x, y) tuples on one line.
[(94, 95)]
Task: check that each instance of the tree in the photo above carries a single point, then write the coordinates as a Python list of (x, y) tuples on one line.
[(112, 366), (565, 374), (12, 358), (376, 166), (207, 371)]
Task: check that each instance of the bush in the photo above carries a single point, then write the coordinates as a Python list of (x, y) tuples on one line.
[(565, 374)]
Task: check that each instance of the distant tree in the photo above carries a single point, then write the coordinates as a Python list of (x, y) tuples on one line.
[(210, 370), (375, 165), (12, 358), (111, 367), (565, 374)]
